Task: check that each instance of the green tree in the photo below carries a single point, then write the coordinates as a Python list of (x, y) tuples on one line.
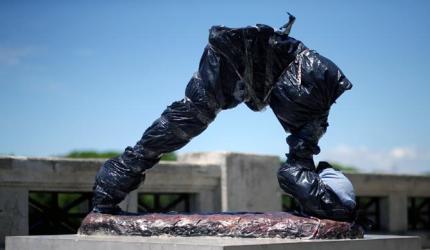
[(85, 154)]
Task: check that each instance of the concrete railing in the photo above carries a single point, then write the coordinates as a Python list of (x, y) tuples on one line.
[(394, 191), (219, 182)]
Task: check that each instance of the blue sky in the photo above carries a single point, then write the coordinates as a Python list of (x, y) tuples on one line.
[(96, 74)]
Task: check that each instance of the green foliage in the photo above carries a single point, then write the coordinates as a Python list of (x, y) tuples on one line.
[(150, 201), (169, 157), (85, 154), (44, 215), (91, 154)]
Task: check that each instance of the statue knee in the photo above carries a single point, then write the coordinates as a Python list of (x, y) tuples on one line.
[(282, 175), (286, 178)]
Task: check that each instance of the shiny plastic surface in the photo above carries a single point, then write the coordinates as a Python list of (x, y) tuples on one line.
[(240, 224), (255, 65)]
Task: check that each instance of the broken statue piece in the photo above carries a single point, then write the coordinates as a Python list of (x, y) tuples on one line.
[(250, 225)]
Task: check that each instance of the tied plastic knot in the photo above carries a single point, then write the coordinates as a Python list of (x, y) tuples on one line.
[(301, 148), (287, 27)]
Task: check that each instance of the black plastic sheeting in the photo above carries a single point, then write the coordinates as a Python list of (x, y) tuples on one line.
[(260, 67)]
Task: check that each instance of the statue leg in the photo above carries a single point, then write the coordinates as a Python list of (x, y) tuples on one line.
[(206, 94), (313, 187)]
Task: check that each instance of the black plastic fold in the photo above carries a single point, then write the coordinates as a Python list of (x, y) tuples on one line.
[(255, 65)]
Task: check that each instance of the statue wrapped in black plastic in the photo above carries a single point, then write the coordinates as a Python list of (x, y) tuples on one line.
[(261, 67)]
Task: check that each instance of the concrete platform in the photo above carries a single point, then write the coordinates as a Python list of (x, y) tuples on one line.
[(73, 242)]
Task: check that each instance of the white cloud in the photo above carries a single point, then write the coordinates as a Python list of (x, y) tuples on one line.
[(403, 153), (13, 56), (400, 160)]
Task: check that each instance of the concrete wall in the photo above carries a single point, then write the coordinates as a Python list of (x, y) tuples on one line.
[(394, 190), (248, 182), (20, 175), (219, 181)]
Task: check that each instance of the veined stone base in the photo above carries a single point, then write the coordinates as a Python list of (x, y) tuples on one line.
[(247, 225), (81, 242)]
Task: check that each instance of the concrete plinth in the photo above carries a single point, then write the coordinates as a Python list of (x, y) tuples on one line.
[(73, 242), (241, 225)]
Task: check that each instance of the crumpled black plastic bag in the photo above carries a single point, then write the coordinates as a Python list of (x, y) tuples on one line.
[(306, 83), (256, 65)]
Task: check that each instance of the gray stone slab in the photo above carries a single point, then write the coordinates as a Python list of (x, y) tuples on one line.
[(74, 242)]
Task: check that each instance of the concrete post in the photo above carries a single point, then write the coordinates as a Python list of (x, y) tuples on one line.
[(130, 202), (248, 182), (206, 201), (397, 213), (13, 212)]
